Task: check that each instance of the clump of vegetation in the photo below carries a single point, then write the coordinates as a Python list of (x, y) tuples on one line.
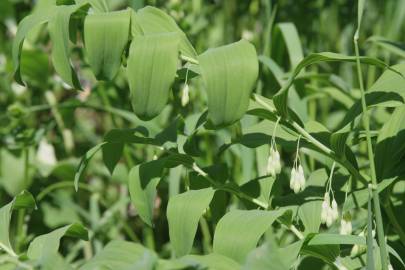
[(218, 135)]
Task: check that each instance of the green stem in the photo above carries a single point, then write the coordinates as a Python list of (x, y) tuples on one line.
[(238, 193), (376, 199), (317, 143), (21, 213), (206, 235), (59, 185)]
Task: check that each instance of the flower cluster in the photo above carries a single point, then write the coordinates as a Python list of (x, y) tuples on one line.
[(297, 178), (330, 212)]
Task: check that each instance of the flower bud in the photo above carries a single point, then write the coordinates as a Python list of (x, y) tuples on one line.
[(301, 177), (185, 98)]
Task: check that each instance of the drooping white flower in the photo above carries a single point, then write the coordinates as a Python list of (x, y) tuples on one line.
[(46, 153), (273, 162), (335, 211), (301, 177), (325, 208), (346, 224), (357, 249), (185, 97)]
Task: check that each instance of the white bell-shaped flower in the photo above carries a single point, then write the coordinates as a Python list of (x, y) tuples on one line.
[(325, 208), (335, 211), (301, 177), (273, 162), (185, 97), (346, 224)]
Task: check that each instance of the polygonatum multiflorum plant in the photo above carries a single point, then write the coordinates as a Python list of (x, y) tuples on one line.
[(236, 178)]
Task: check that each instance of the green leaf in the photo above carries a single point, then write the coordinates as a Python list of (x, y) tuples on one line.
[(229, 73), (389, 152), (151, 71), (359, 198), (270, 256), (238, 232), (48, 244), (97, 5), (280, 99), (112, 154), (183, 213), (24, 27), (336, 239), (210, 261), (369, 240), (142, 182), (292, 42), (105, 37), (84, 162), (122, 255), (309, 213), (22, 201), (153, 20), (387, 91), (58, 27)]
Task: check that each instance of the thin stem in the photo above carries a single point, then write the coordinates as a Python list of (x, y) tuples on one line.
[(59, 185), (353, 171), (376, 199), (238, 193)]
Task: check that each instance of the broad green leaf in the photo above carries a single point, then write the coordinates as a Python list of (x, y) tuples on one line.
[(310, 215), (211, 261), (280, 99), (238, 232), (292, 42), (112, 154), (12, 175), (122, 255), (151, 70), (270, 256), (54, 261), (359, 198), (391, 46), (58, 27), (22, 201), (106, 36), (48, 244), (183, 213), (389, 152), (387, 91), (24, 27), (229, 73), (142, 182), (97, 5), (336, 239), (153, 21)]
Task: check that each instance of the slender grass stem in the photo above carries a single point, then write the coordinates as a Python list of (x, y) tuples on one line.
[(376, 199)]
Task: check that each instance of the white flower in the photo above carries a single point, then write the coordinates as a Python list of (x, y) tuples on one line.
[(273, 163), (346, 224), (46, 153), (329, 211), (335, 211), (301, 177), (390, 267), (297, 179), (356, 250), (185, 98), (325, 208)]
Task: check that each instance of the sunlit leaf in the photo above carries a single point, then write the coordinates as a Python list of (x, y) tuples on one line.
[(105, 37), (183, 213), (229, 73), (151, 70)]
